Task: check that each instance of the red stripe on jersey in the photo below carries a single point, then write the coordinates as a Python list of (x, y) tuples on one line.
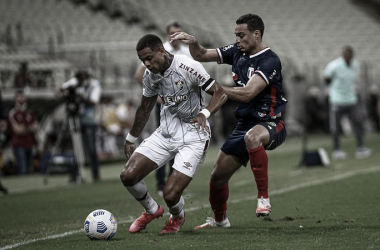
[(273, 98), (280, 126)]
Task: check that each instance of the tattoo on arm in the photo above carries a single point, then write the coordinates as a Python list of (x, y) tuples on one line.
[(201, 52)]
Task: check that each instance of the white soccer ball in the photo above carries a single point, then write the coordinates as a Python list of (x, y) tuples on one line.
[(100, 225)]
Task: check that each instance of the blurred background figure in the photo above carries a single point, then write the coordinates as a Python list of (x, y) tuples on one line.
[(114, 124), (125, 115), (3, 128), (22, 77), (23, 127), (109, 128), (342, 74), (86, 95), (174, 48), (373, 106)]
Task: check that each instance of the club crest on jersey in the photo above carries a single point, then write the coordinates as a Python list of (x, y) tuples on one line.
[(179, 84)]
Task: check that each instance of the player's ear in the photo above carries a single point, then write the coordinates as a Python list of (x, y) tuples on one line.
[(161, 50)]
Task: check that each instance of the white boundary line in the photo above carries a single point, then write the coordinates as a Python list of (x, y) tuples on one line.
[(273, 193)]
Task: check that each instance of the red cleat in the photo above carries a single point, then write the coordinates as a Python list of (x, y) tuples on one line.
[(141, 222), (173, 225)]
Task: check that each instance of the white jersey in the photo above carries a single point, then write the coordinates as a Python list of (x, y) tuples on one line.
[(182, 89)]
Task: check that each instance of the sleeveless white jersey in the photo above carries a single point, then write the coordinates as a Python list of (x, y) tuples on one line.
[(182, 89)]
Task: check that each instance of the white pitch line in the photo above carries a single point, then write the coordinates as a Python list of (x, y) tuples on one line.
[(273, 193), (40, 239)]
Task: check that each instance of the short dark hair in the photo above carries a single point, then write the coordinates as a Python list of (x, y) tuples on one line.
[(348, 48), (19, 92), (82, 73), (172, 23), (254, 22), (149, 41)]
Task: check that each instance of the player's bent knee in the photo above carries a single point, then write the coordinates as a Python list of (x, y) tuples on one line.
[(218, 179), (127, 178), (252, 139)]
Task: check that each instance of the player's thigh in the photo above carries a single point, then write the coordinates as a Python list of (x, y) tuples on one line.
[(190, 157), (276, 131), (156, 149), (256, 136), (137, 167), (225, 166), (150, 154)]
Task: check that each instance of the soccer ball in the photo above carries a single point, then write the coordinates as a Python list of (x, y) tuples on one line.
[(100, 225)]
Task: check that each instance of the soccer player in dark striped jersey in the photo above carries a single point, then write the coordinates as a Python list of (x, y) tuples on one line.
[(256, 71)]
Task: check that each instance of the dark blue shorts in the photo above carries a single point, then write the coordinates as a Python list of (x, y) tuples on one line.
[(235, 144)]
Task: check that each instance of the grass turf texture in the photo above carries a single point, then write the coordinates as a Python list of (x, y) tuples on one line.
[(340, 213)]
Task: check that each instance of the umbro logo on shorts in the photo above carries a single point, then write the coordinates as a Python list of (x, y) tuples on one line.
[(187, 165)]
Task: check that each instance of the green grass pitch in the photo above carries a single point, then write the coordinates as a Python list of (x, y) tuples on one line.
[(336, 207)]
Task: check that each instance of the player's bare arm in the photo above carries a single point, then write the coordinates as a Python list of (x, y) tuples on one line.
[(219, 97), (141, 118), (244, 94), (197, 51)]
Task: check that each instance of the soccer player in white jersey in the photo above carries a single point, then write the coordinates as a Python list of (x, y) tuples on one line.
[(183, 134), (175, 48)]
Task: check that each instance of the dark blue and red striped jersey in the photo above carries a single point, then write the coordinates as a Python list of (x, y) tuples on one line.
[(266, 64)]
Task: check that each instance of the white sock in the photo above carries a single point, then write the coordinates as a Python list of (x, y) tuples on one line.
[(177, 210), (140, 192)]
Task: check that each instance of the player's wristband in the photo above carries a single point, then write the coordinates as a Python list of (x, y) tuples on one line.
[(131, 138), (206, 113)]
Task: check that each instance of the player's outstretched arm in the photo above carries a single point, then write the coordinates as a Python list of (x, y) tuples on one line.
[(197, 51), (219, 97), (244, 94), (141, 118)]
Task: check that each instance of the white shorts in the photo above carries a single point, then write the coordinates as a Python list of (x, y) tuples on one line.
[(187, 156)]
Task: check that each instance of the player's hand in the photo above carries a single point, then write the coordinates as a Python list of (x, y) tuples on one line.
[(200, 119), (129, 148), (183, 37)]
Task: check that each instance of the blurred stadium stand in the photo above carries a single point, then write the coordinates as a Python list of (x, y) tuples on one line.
[(57, 36)]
